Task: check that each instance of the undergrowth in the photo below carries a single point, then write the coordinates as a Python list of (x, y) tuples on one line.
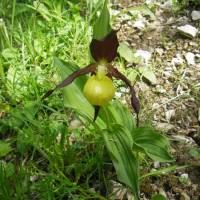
[(39, 161)]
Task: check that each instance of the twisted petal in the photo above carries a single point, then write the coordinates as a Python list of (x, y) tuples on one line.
[(134, 100), (91, 68)]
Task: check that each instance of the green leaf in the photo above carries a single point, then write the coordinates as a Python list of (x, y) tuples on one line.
[(102, 27), (9, 53), (148, 74), (119, 144), (132, 75), (42, 9), (116, 113), (194, 152), (164, 170), (141, 9), (153, 143), (38, 46), (73, 96), (21, 8), (128, 54), (158, 197), (2, 74), (5, 148), (8, 168)]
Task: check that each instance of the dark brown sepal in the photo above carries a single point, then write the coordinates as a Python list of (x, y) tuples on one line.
[(88, 69), (134, 100), (105, 49), (96, 112), (47, 94)]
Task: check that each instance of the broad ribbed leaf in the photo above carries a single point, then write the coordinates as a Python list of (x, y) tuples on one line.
[(102, 26), (153, 143), (119, 144), (116, 113)]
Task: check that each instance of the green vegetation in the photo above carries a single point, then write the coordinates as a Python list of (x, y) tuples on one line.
[(52, 149), (179, 5)]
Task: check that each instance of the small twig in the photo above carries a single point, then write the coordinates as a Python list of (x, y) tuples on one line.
[(176, 97)]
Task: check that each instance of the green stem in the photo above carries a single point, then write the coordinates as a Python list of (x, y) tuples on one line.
[(13, 17)]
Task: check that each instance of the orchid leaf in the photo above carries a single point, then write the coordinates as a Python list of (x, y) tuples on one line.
[(154, 144), (118, 114), (119, 144), (102, 27)]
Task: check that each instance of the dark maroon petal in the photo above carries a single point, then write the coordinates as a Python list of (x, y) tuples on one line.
[(134, 100), (88, 69), (106, 48)]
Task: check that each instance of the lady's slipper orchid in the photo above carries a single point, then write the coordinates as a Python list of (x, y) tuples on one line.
[(99, 87)]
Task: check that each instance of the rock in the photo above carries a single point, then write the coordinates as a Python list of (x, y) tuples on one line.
[(167, 74), (124, 90), (145, 55), (182, 20), (118, 94), (164, 126), (188, 30), (169, 114), (195, 15), (160, 89), (167, 5), (160, 51), (126, 17), (74, 124), (34, 178), (185, 176), (118, 191), (177, 60), (184, 139), (150, 1), (194, 44), (140, 23), (115, 12), (156, 165), (190, 58), (171, 20)]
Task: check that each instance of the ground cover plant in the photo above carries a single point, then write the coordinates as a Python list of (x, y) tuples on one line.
[(64, 146)]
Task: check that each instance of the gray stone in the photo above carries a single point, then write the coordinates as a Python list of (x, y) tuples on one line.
[(145, 55), (167, 5), (195, 15), (140, 23), (188, 30), (177, 60), (190, 58), (164, 126)]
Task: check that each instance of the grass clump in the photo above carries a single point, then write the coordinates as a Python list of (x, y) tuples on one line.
[(43, 162)]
